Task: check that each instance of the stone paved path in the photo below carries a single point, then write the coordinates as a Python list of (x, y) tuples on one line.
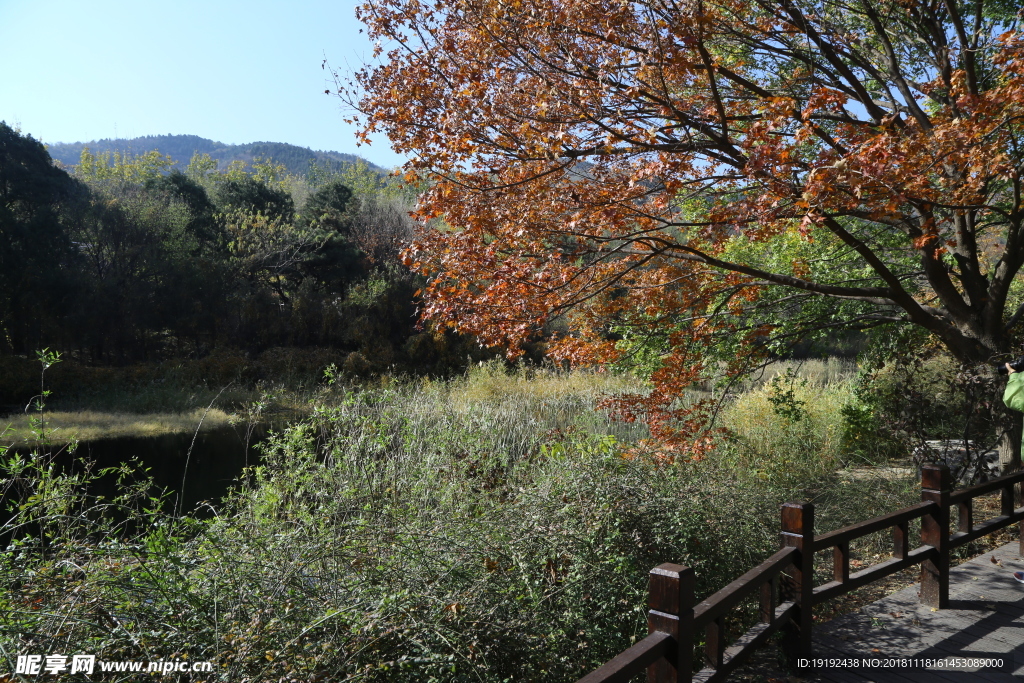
[(986, 618)]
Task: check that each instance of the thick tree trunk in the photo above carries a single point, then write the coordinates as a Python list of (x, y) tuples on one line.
[(1009, 444)]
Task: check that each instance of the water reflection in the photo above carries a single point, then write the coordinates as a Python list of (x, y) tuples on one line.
[(194, 468)]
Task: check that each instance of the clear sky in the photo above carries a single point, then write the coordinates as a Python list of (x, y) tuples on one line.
[(232, 71)]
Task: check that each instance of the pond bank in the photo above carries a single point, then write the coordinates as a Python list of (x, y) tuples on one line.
[(63, 427)]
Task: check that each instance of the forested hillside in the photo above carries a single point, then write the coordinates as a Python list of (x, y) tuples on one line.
[(296, 160), (139, 258)]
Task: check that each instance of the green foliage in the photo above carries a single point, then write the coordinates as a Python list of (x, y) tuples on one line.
[(47, 359), (790, 322), (254, 195), (366, 181), (28, 179), (805, 323), (319, 174), (122, 166), (149, 263), (327, 206), (789, 425), (481, 529), (137, 263), (93, 396), (203, 224), (88, 573), (201, 169), (782, 396), (37, 256), (268, 172), (922, 396)]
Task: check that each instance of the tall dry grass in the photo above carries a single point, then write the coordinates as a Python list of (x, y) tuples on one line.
[(790, 419)]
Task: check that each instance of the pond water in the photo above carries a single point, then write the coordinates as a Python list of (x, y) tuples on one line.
[(192, 468)]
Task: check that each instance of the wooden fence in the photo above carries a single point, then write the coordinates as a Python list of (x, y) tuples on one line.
[(784, 585)]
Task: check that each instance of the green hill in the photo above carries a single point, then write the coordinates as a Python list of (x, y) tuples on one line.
[(181, 148)]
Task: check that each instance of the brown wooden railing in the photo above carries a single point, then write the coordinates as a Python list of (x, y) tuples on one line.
[(784, 582)]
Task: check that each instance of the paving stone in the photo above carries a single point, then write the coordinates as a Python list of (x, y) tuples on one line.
[(986, 616)]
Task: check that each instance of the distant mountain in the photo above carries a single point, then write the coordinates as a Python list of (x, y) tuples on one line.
[(181, 148)]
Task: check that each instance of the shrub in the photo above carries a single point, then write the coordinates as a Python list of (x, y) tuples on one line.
[(789, 425), (921, 397), (481, 529)]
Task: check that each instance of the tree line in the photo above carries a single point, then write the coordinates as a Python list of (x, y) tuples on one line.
[(181, 148), (125, 259)]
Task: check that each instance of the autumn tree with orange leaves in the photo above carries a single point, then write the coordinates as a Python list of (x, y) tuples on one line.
[(675, 176)]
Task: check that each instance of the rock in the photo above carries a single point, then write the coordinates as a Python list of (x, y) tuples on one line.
[(977, 467)]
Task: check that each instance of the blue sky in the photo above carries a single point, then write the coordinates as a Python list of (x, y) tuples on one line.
[(222, 69)]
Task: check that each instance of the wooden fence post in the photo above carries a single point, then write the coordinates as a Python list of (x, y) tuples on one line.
[(935, 487), (798, 532), (670, 599)]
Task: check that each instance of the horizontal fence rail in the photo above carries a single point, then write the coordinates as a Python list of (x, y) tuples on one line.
[(628, 664), (902, 557), (784, 587), (761, 580)]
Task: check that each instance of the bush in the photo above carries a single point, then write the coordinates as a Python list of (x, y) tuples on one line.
[(901, 405), (789, 425), (480, 529)]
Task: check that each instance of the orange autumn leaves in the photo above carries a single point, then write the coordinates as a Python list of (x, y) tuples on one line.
[(594, 160)]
